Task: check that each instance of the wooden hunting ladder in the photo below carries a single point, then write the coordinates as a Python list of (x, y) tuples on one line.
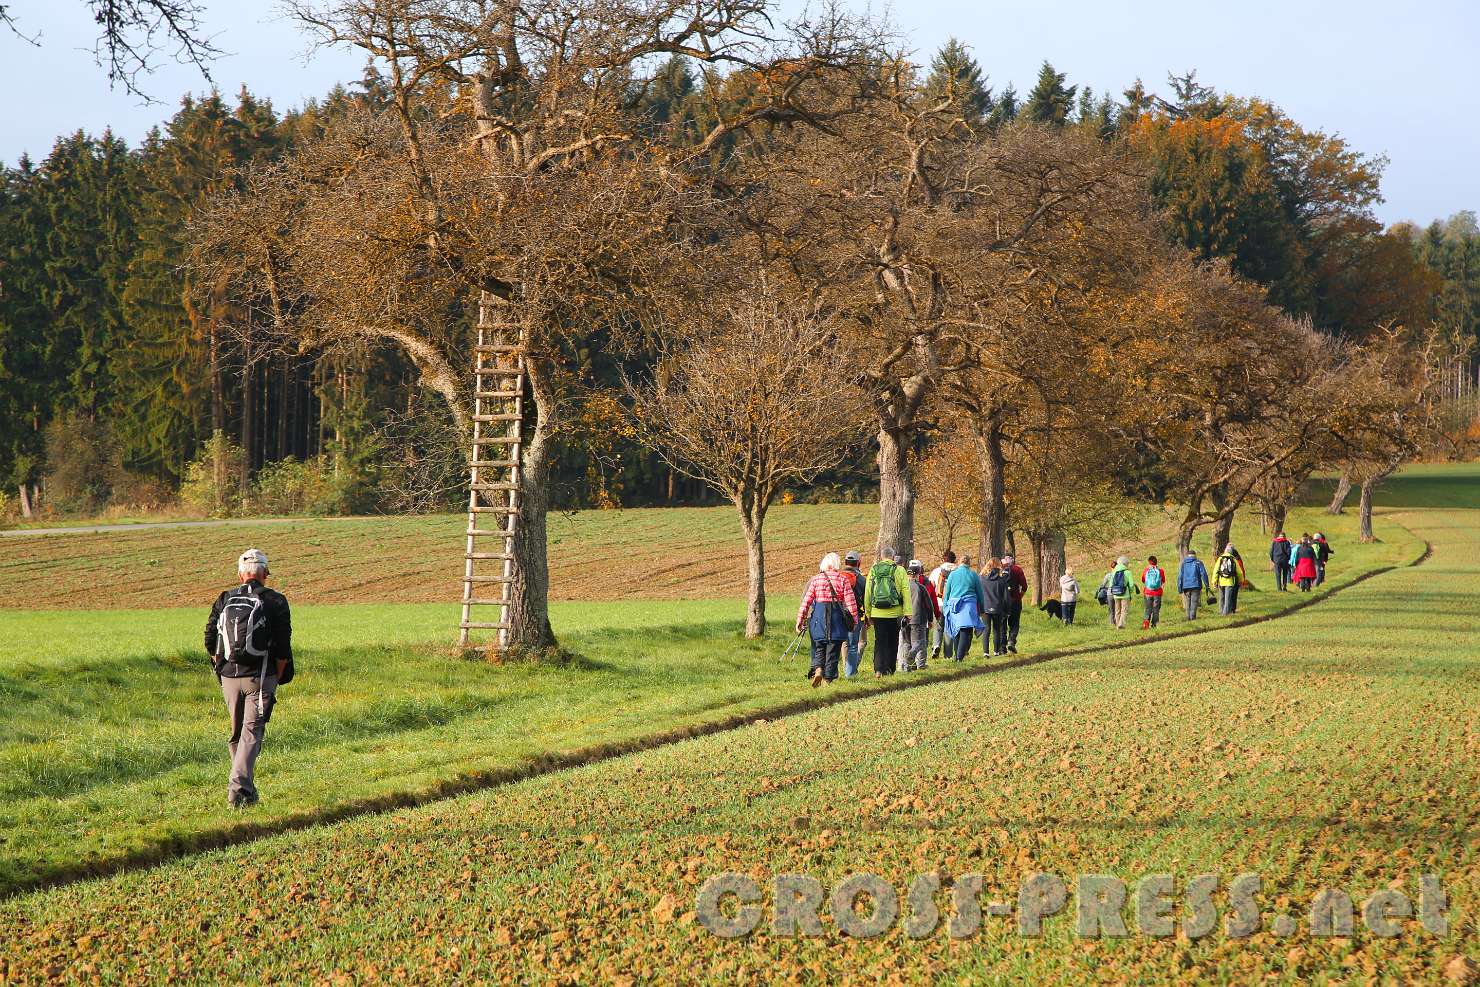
[(493, 495)]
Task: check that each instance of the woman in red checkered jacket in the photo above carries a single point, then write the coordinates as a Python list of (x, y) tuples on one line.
[(829, 610)]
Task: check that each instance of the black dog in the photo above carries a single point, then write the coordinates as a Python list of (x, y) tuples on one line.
[(1053, 608)]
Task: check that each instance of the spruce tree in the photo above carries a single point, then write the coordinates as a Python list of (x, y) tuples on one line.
[(24, 326), (1051, 101), (956, 76), (89, 237)]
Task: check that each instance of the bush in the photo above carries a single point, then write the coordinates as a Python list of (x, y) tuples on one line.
[(83, 464), (309, 486), (212, 484), (137, 493)]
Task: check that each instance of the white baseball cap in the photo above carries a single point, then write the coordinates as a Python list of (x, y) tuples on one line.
[(252, 557)]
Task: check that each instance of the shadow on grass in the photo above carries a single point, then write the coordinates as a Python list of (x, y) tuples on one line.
[(50, 875)]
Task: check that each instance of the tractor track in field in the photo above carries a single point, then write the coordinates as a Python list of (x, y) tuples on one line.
[(247, 832)]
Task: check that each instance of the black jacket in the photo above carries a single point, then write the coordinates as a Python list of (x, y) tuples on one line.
[(997, 590), (279, 631)]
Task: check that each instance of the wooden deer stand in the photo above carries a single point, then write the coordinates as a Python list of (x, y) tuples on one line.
[(493, 496)]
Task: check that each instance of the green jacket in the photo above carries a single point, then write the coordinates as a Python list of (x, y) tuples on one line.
[(1130, 582), (901, 583)]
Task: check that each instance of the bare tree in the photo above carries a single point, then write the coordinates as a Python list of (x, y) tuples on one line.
[(747, 399), (132, 34), (1388, 412), (510, 180), (905, 216)]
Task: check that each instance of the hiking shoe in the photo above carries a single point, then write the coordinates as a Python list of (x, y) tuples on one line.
[(1145, 624), (1012, 649), (816, 677)]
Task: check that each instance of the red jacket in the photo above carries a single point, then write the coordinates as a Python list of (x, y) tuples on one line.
[(1149, 590), (930, 591), (1019, 583)]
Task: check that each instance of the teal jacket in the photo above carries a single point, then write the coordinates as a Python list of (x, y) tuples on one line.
[(962, 581)]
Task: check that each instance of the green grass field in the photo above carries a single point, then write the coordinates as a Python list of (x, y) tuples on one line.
[(113, 714), (1333, 747)]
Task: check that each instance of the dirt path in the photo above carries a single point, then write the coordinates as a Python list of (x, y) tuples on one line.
[(143, 526)]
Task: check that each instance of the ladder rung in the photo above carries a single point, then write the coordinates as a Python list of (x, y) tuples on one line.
[(492, 464), (488, 555), (480, 625), (478, 602), (488, 579), (495, 486), (498, 372), (497, 418), (497, 395), (497, 532), (496, 440), (497, 348), (500, 509)]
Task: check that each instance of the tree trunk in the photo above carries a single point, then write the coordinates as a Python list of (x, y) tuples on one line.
[(992, 541), (1338, 500), (1184, 536), (752, 520), (529, 598), (25, 501), (1222, 529), (896, 493), (1049, 559), (249, 424), (1277, 514), (218, 386), (1364, 511)]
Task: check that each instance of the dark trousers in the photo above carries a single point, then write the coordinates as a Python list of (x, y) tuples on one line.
[(1305, 585), (1320, 573), (997, 628), (886, 644), (961, 644), (826, 655), (1067, 609), (1281, 576), (1014, 618)]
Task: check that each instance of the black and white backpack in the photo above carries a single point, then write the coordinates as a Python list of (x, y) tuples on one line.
[(241, 630)]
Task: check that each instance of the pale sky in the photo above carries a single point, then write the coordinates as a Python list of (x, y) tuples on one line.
[(1392, 78)]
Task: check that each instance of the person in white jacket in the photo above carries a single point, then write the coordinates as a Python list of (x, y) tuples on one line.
[(1068, 595)]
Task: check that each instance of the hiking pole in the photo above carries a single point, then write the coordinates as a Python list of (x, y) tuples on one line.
[(793, 648)]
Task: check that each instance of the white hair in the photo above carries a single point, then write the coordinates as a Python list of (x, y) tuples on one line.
[(252, 570), (830, 563)]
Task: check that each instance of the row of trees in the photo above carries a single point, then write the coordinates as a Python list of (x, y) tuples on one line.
[(119, 363), (792, 243)]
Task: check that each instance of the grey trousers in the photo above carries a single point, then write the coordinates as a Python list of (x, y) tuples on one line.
[(1190, 599), (1227, 600), (912, 645), (247, 731), (1153, 609)]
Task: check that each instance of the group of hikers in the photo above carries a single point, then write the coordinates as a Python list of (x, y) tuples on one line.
[(915, 616)]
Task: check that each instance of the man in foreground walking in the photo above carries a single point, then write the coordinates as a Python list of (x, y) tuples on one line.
[(249, 637)]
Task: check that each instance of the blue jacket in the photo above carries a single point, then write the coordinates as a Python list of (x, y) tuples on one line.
[(963, 581), (1193, 575), (961, 612)]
